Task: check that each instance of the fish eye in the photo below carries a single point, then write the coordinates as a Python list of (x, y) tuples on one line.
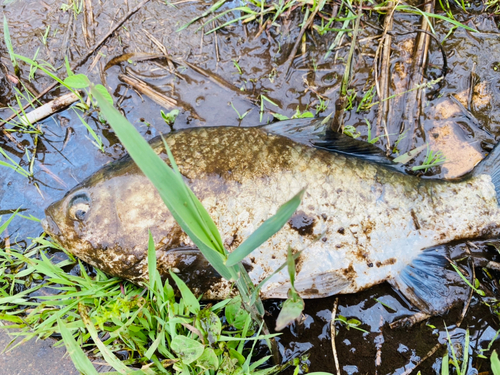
[(79, 206)]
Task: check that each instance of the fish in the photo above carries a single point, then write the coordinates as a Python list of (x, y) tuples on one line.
[(361, 222)]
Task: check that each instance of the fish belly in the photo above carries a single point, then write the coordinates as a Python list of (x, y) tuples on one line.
[(359, 223)]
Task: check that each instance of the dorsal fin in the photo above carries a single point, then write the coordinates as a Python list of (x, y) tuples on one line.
[(317, 133)]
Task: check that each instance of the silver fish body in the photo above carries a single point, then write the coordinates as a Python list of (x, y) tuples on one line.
[(359, 224)]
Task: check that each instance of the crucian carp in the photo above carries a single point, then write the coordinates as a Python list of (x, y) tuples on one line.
[(361, 222)]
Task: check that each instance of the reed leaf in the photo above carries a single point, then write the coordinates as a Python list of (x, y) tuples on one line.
[(174, 193), (266, 230)]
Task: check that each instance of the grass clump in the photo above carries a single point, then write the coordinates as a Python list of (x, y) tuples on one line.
[(98, 316)]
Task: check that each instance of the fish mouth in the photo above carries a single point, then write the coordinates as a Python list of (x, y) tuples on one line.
[(50, 227)]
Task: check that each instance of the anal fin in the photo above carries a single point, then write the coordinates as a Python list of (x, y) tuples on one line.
[(429, 285)]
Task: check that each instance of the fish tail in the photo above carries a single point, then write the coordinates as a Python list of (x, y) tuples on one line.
[(490, 165)]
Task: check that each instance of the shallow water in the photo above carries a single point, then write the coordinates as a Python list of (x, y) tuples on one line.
[(463, 129)]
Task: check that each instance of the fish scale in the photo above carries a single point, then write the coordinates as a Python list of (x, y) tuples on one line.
[(359, 224)]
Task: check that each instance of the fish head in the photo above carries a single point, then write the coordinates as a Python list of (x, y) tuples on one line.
[(105, 221)]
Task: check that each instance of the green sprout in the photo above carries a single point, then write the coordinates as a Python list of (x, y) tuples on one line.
[(432, 159), (170, 117), (241, 116), (350, 323), (366, 102), (351, 131)]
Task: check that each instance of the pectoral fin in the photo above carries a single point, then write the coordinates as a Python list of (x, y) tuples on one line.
[(319, 286), (191, 266), (429, 285)]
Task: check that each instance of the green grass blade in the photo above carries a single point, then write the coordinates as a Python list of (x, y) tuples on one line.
[(465, 356), (151, 262), (205, 221), (190, 301), (213, 8), (171, 188), (80, 360), (266, 230), (495, 363), (8, 42), (411, 9), (4, 225)]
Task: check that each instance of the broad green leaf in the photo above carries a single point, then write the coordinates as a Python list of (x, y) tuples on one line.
[(495, 363), (189, 350), (178, 198), (238, 356), (190, 300), (80, 360), (170, 116), (77, 81), (210, 324), (266, 230), (291, 310), (208, 360), (235, 314)]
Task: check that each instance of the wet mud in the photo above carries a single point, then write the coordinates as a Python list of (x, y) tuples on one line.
[(221, 74)]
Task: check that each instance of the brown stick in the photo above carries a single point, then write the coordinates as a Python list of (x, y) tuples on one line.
[(49, 108), (333, 333), (150, 92), (88, 19), (383, 88), (289, 61)]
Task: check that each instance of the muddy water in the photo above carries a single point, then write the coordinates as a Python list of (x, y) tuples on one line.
[(461, 120)]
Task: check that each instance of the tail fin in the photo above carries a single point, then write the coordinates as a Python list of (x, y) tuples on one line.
[(491, 166)]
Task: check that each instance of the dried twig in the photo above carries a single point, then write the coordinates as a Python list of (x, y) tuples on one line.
[(49, 108), (383, 87), (145, 89), (333, 334), (162, 48), (88, 21), (414, 98), (289, 61)]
